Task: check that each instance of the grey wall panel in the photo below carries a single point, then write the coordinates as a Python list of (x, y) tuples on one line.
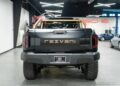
[(16, 11)]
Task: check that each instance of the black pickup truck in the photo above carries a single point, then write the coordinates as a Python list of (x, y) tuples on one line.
[(60, 43)]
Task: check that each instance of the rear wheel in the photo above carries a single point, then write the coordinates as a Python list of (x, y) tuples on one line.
[(91, 70), (29, 70)]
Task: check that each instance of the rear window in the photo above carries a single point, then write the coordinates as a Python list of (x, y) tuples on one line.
[(58, 24)]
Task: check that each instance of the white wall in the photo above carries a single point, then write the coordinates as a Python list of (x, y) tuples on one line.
[(100, 27), (119, 26), (6, 25), (23, 20)]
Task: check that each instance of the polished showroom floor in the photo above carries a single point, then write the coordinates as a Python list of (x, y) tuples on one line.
[(109, 71)]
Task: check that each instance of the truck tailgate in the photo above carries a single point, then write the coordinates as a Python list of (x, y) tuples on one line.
[(60, 40)]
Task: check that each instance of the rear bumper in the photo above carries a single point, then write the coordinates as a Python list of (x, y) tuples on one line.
[(71, 58)]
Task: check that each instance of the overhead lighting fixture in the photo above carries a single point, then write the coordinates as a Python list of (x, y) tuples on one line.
[(90, 1), (104, 5), (118, 14), (104, 14), (57, 15), (45, 4), (54, 11), (93, 16), (111, 14)]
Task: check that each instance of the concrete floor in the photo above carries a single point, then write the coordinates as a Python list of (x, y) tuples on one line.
[(109, 71)]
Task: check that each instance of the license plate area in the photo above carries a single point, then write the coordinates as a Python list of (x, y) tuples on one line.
[(59, 58)]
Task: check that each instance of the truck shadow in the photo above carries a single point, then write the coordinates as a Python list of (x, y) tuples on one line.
[(59, 77)]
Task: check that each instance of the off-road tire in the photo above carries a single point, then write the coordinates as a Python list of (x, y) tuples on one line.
[(29, 70), (91, 71)]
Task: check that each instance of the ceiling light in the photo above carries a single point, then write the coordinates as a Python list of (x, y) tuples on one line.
[(54, 11), (90, 1), (93, 16), (104, 14), (111, 14), (104, 5), (118, 14), (45, 4), (57, 15)]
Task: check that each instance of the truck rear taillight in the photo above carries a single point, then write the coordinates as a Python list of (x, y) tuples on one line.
[(94, 41), (25, 41)]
